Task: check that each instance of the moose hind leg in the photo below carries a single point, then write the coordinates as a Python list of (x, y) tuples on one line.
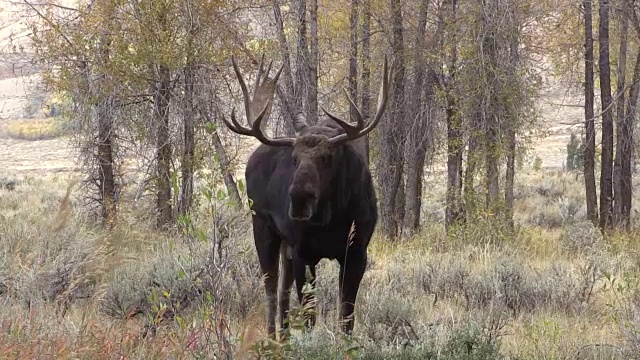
[(351, 272), (268, 247), (307, 301)]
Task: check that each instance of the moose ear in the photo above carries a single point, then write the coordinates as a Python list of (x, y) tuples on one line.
[(299, 122)]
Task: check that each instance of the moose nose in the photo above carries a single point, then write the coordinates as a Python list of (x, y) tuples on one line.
[(302, 205)]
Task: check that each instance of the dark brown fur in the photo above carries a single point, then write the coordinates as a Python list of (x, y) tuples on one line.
[(335, 181), (307, 194)]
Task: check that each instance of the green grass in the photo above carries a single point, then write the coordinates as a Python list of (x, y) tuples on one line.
[(555, 290)]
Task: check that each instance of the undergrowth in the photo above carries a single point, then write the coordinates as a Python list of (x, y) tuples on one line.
[(69, 289)]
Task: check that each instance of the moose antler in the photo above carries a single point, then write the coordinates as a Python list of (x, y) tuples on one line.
[(353, 132), (262, 99)]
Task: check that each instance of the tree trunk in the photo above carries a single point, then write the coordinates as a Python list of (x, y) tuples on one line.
[(415, 172), (106, 176), (391, 159), (453, 210), (620, 119), (606, 184), (470, 196), (302, 55), (491, 110), (287, 93), (161, 99), (353, 58), (312, 117), (366, 68), (187, 166), (224, 163), (418, 136), (626, 189), (512, 81), (492, 179), (510, 177), (589, 115)]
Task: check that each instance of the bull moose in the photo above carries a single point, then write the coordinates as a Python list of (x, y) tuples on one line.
[(312, 198)]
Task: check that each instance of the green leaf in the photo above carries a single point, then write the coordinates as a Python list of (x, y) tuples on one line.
[(241, 185), (208, 194), (220, 195), (210, 127)]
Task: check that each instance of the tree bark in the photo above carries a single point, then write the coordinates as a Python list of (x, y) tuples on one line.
[(589, 124), (510, 177), (620, 119), (161, 98), (312, 117), (287, 93), (106, 175), (418, 136), (188, 156), (512, 81), (491, 110), (626, 189), (391, 159), (224, 163), (366, 68), (606, 184), (353, 58), (470, 196), (453, 210), (302, 55)]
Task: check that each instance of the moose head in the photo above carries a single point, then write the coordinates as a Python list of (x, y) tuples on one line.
[(317, 150)]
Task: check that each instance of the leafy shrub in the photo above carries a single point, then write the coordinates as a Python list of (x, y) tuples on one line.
[(537, 164), (581, 237), (8, 184), (389, 317), (574, 152), (179, 280), (474, 338), (470, 344), (557, 212), (50, 257)]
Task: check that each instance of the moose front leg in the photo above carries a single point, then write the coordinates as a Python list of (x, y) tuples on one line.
[(284, 291), (352, 269), (268, 249), (307, 301)]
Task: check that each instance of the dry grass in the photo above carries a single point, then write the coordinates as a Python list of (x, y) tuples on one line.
[(33, 129), (70, 290)]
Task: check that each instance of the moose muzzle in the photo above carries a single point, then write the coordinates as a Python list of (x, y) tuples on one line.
[(303, 193), (302, 205)]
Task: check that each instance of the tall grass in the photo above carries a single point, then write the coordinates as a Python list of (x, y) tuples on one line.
[(68, 289), (34, 129)]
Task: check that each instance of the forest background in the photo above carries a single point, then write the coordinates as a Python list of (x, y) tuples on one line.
[(503, 167)]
